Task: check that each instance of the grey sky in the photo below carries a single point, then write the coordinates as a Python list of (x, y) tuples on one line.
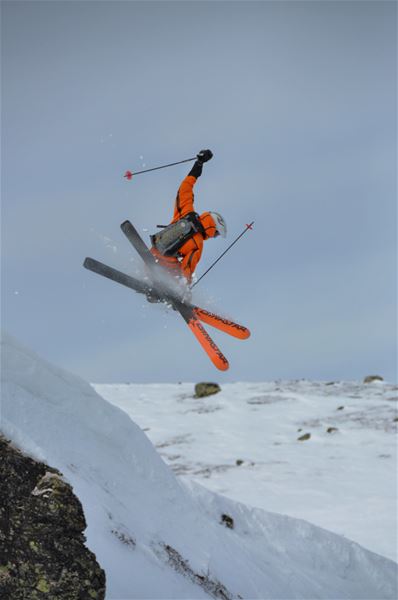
[(297, 100)]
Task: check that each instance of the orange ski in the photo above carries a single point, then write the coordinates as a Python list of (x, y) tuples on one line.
[(213, 352), (225, 325)]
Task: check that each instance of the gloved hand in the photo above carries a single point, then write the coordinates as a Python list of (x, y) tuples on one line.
[(204, 155)]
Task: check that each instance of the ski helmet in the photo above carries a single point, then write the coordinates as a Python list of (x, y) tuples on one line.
[(221, 226)]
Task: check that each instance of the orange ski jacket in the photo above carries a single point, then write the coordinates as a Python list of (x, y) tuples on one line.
[(191, 252)]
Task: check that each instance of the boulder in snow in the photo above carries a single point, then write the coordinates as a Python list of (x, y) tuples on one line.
[(304, 437), (206, 389), (372, 378)]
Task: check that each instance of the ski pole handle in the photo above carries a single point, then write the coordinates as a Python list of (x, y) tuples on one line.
[(129, 174)]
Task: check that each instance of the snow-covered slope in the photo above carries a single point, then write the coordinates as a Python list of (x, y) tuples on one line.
[(344, 478), (155, 536)]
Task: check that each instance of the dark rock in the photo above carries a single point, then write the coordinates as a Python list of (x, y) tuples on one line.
[(304, 437), (206, 389), (123, 537), (239, 462), (227, 521), (340, 408), (331, 430), (371, 378), (41, 533), (212, 587)]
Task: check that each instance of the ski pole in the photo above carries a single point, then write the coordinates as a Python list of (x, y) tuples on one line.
[(249, 226), (129, 174)]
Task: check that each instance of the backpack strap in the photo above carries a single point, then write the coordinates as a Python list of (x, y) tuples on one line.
[(194, 218)]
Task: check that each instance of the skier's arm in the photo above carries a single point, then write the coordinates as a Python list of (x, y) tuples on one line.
[(185, 197)]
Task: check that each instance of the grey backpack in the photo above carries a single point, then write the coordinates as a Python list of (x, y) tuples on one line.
[(173, 237)]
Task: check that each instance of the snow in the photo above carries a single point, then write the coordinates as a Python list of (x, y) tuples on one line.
[(156, 535), (344, 481)]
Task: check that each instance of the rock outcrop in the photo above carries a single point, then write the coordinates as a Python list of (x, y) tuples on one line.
[(41, 534), (372, 378), (205, 388)]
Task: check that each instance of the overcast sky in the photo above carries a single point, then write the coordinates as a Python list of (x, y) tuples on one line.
[(297, 100)]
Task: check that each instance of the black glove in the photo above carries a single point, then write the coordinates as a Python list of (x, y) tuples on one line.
[(204, 155)]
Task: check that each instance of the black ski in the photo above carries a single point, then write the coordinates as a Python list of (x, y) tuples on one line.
[(140, 246), (141, 287), (102, 269)]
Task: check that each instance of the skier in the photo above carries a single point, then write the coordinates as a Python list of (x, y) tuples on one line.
[(178, 247)]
